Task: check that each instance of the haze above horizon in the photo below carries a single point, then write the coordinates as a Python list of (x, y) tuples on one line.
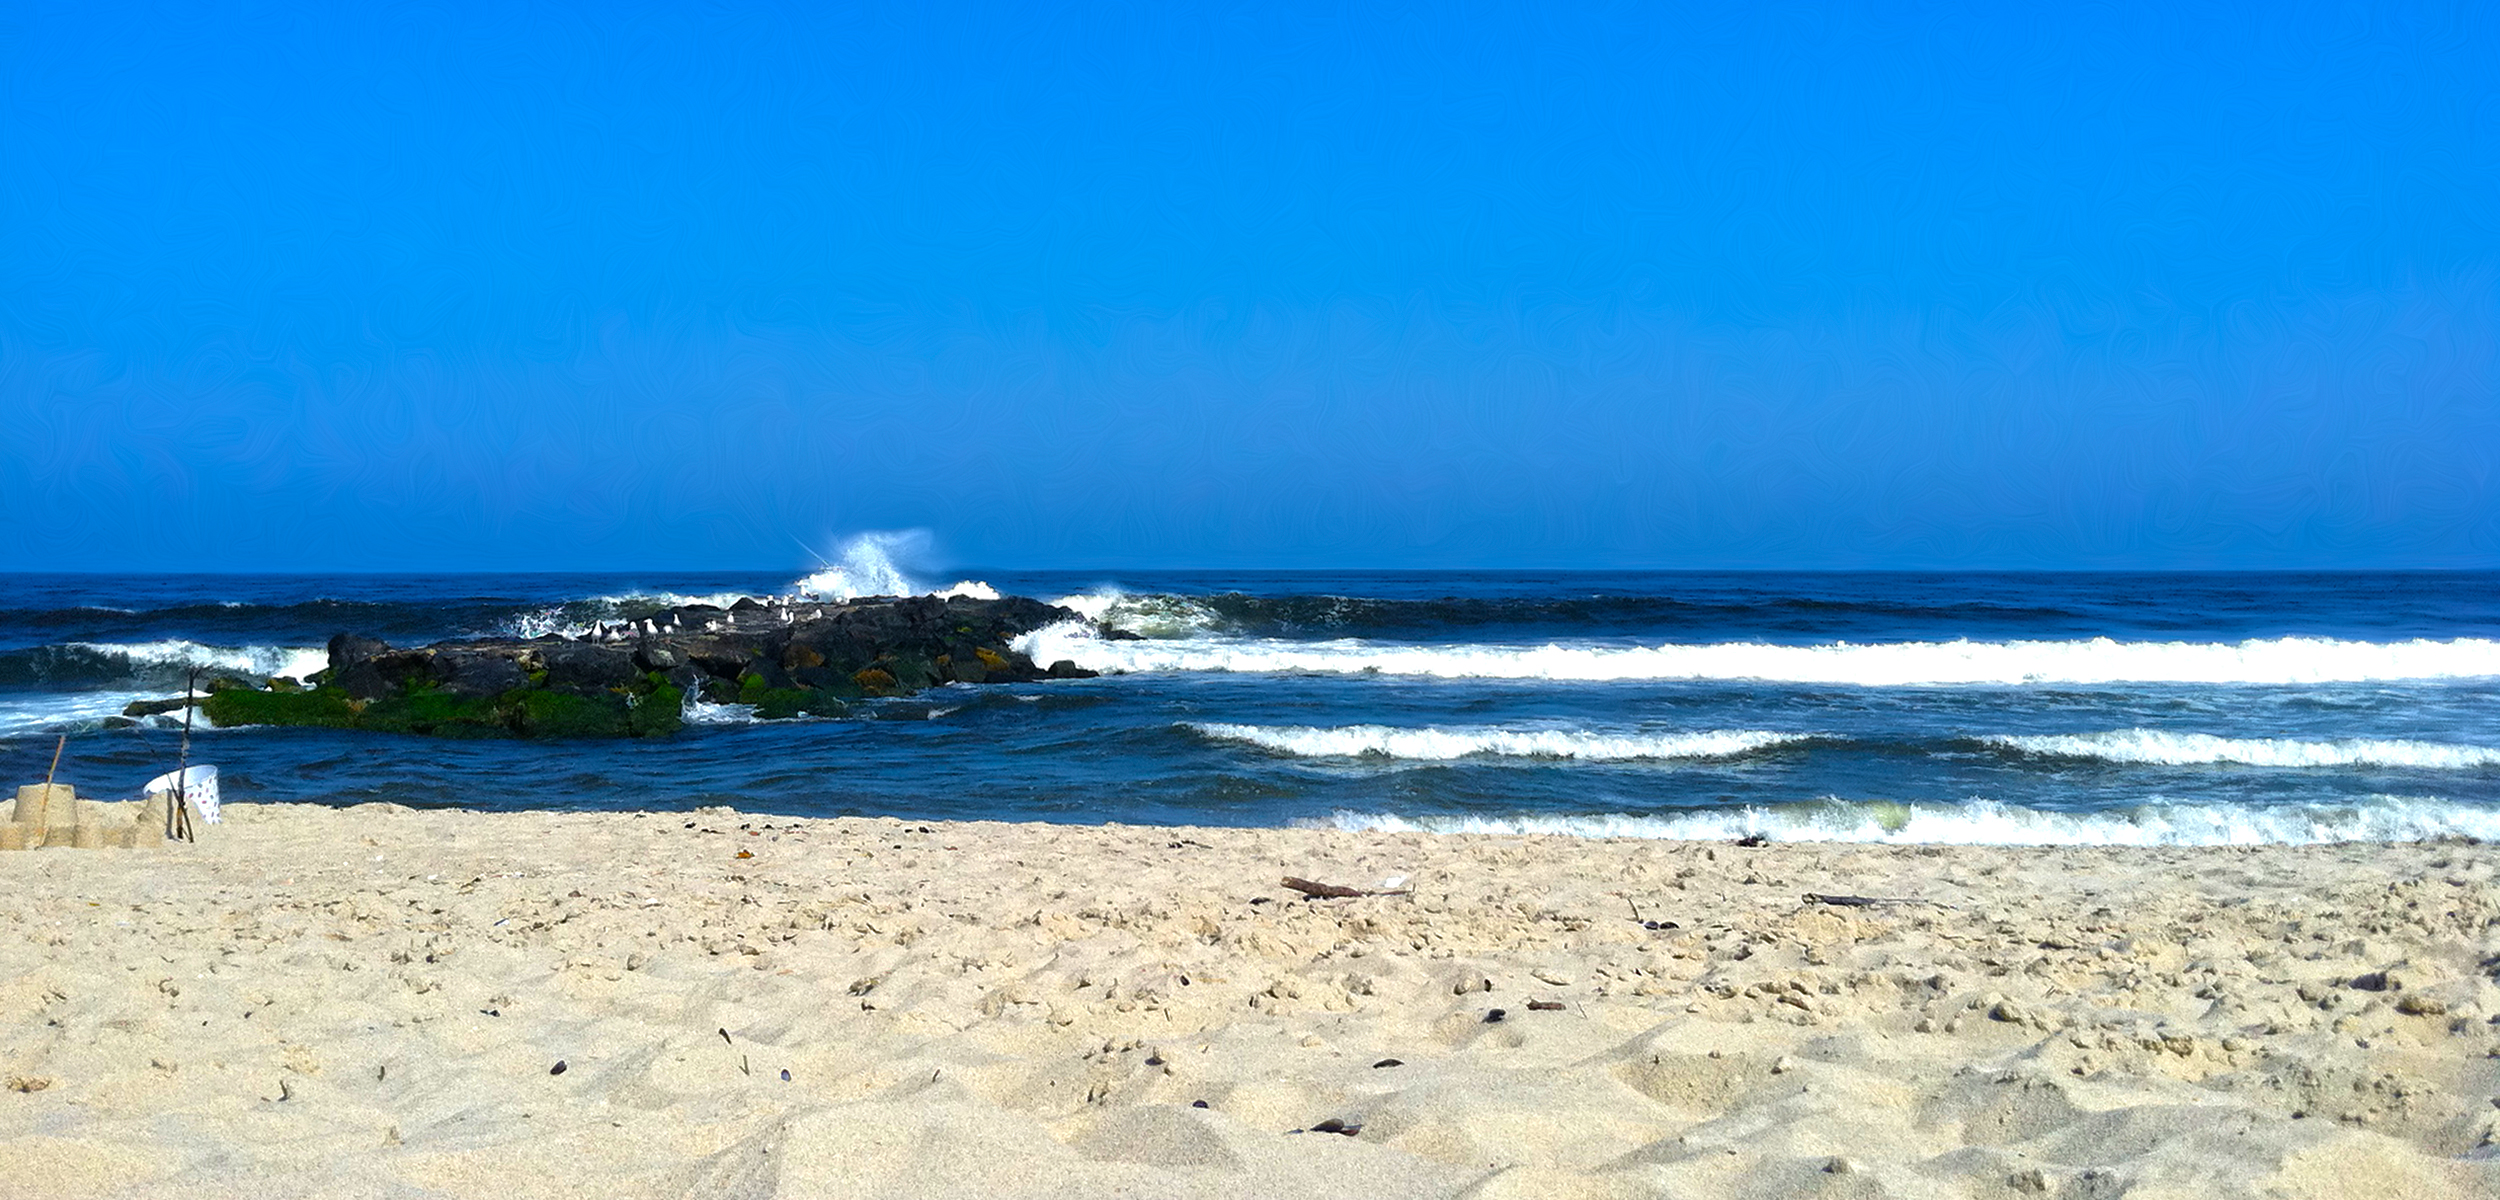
[(544, 287)]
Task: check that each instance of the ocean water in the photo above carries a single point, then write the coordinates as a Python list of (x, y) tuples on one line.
[(2012, 708)]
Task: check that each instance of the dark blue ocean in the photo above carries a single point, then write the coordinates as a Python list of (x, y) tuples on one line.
[(2189, 708)]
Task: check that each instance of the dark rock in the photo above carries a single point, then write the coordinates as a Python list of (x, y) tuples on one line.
[(402, 670), (762, 672), (584, 668), (348, 648), (479, 674), (360, 681), (1066, 669), (651, 656)]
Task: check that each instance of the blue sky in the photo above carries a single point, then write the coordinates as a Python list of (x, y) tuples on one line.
[(530, 286)]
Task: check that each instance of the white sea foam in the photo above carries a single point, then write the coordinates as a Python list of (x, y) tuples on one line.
[(62, 712), (296, 661), (1153, 615), (699, 711), (2291, 660), (1988, 823), (1434, 744), (867, 567), (2157, 747)]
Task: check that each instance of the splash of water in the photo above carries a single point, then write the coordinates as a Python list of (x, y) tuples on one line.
[(867, 566)]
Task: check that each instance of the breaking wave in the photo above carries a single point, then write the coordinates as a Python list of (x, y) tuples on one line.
[(2290, 660), (1988, 823), (2158, 748), (70, 713), (866, 567), (1384, 741), (160, 664)]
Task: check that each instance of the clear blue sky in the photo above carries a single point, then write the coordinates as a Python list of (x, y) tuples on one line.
[(537, 286)]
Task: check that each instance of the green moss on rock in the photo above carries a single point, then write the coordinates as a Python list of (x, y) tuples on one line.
[(327, 707), (658, 714), (559, 714)]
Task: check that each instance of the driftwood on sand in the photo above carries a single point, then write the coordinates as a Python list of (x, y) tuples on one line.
[(1330, 891)]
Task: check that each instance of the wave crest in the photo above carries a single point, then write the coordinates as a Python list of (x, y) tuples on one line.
[(1433, 745), (2290, 660), (867, 566), (1989, 823), (2158, 748)]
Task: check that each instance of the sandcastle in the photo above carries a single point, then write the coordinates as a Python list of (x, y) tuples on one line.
[(52, 814)]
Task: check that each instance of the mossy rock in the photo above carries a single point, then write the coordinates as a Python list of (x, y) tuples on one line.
[(422, 709), (874, 682), (911, 672), (522, 712), (326, 708), (774, 704), (559, 714), (658, 714)]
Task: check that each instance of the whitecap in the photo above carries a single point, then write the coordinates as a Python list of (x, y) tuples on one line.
[(2289, 660), (2162, 748), (1980, 822), (1442, 744)]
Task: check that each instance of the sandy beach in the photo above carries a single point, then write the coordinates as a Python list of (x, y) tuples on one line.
[(385, 1002)]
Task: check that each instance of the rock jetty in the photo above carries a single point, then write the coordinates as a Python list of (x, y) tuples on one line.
[(786, 657)]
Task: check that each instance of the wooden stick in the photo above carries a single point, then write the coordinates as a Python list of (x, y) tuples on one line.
[(56, 763), (1330, 891), (1867, 901), (182, 765)]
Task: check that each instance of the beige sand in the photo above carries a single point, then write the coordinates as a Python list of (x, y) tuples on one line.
[(371, 1002)]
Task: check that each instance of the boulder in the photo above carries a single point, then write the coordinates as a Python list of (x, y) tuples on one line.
[(586, 668), (476, 675), (348, 648)]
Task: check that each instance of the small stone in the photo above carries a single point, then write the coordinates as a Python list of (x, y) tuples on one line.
[(1837, 1165), (1783, 1065), (1558, 978), (2418, 1004)]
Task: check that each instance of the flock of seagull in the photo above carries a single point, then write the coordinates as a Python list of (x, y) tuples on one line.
[(620, 631)]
